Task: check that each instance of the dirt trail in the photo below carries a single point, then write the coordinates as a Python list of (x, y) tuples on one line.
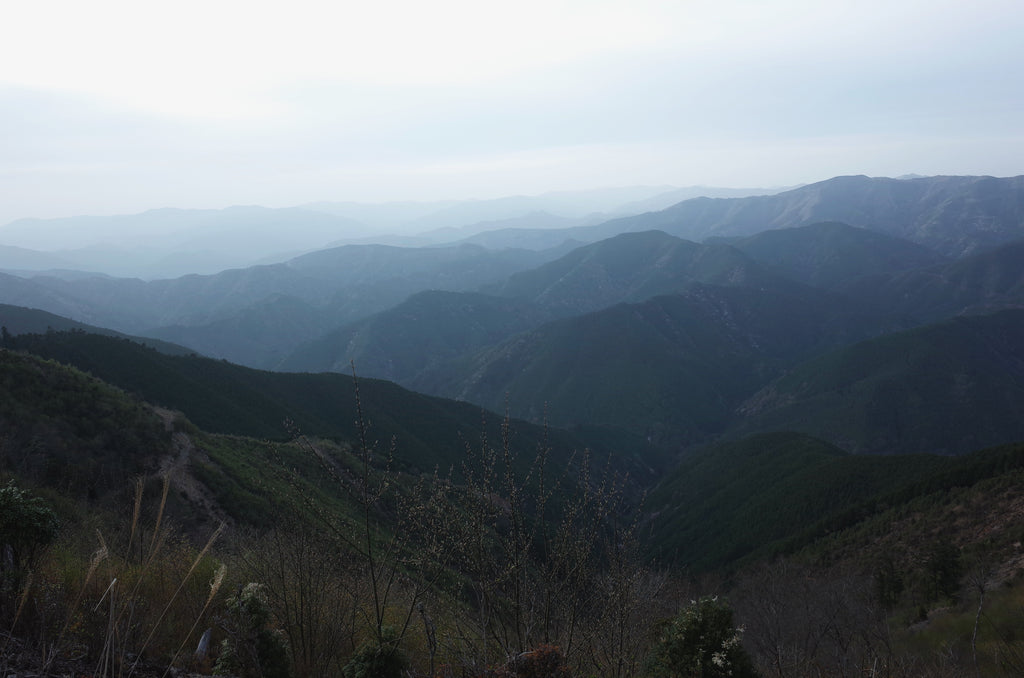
[(176, 466)]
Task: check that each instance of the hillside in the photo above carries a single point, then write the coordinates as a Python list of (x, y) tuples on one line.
[(21, 320), (220, 397), (741, 501), (70, 431), (830, 254), (948, 388), (722, 511), (981, 283), (630, 267), (257, 315), (671, 369), (421, 333), (426, 331)]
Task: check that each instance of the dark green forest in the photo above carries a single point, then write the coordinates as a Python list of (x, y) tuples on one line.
[(309, 554)]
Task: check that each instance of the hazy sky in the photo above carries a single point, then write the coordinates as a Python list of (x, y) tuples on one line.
[(115, 107)]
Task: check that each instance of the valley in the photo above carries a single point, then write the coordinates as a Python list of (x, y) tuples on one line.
[(523, 438)]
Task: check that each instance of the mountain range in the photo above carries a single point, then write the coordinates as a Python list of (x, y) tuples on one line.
[(168, 243), (810, 397), (711, 318)]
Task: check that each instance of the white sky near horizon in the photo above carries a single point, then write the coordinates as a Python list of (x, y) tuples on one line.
[(111, 107)]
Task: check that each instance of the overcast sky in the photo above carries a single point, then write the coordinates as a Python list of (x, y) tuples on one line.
[(116, 107)]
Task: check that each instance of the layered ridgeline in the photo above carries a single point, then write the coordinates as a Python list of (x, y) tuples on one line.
[(644, 334), (259, 316), (628, 268), (426, 330), (750, 374), (674, 371), (722, 506), (832, 254), (681, 367), (166, 243), (951, 215), (671, 369), (224, 398)]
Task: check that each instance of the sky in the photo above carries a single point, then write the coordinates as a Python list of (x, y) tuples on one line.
[(114, 107)]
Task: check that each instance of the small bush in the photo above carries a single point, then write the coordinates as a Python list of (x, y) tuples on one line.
[(701, 642), (378, 659), (252, 649), (26, 525)]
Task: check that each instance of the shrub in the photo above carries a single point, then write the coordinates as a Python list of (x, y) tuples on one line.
[(252, 649), (381, 658), (701, 642), (26, 524)]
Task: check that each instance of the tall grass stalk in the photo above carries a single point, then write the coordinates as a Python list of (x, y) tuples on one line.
[(98, 556), (17, 613), (103, 666), (160, 511), (215, 584), (136, 511), (181, 586)]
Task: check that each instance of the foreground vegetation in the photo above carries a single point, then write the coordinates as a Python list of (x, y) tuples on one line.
[(330, 557)]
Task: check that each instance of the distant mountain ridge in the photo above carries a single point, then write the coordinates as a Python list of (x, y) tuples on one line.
[(171, 242), (627, 364), (166, 243), (954, 215), (698, 328), (632, 267), (330, 288), (832, 254)]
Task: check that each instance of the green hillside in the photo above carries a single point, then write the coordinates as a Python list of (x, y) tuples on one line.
[(671, 369), (422, 332), (737, 499), (72, 432), (777, 493), (22, 320), (724, 508), (220, 397), (947, 389), (69, 432)]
